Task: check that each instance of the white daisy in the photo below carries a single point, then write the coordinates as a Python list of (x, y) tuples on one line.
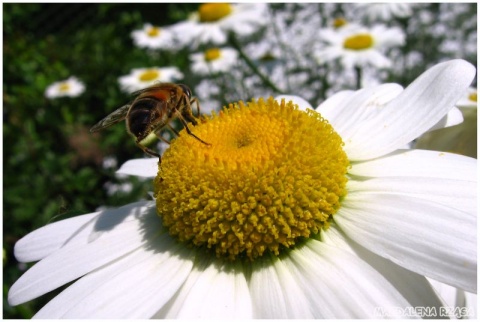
[(214, 60), (71, 87), (358, 46), (469, 99), (213, 21), (140, 78), (375, 220), (153, 37)]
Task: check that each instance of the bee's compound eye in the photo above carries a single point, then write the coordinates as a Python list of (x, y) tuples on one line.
[(186, 90)]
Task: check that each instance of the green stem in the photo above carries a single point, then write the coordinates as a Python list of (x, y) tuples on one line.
[(252, 65), (358, 72)]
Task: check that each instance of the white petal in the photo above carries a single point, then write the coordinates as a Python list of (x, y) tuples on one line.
[(77, 230), (471, 304), (302, 104), (77, 259), (147, 167), (420, 106), (185, 32), (140, 290), (213, 291), (328, 35), (388, 37), (45, 240), (422, 236), (418, 163), (328, 54), (340, 285), (212, 33), (415, 288), (458, 303), (458, 194), (70, 297), (358, 107), (332, 107), (275, 292), (453, 117), (375, 58), (450, 295)]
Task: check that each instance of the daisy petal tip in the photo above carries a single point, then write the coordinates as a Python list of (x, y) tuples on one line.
[(462, 68), (140, 167), (11, 300), (465, 65), (15, 297)]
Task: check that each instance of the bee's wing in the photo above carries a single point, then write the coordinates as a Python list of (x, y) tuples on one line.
[(113, 118)]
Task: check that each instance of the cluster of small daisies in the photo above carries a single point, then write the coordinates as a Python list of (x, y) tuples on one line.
[(204, 33), (210, 27), (276, 50), (352, 45)]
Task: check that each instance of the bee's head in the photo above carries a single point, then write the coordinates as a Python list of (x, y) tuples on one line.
[(186, 90)]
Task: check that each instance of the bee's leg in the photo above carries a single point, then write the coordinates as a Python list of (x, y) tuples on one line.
[(147, 150), (185, 124), (159, 135), (197, 103), (185, 109), (173, 130), (187, 115)]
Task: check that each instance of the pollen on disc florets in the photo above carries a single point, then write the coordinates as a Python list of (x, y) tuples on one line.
[(271, 176)]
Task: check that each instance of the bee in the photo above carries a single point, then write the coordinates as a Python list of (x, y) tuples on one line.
[(152, 110)]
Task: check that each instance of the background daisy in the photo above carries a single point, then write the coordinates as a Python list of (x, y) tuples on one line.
[(214, 60), (357, 46), (153, 37), (71, 87), (140, 78), (213, 21), (469, 99)]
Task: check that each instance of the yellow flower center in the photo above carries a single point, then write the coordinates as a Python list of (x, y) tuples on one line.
[(64, 87), (273, 176), (149, 75), (211, 12), (153, 32), (358, 42), (212, 54), (339, 22), (473, 97)]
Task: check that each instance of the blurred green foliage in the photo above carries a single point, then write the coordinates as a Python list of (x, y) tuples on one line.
[(52, 163)]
